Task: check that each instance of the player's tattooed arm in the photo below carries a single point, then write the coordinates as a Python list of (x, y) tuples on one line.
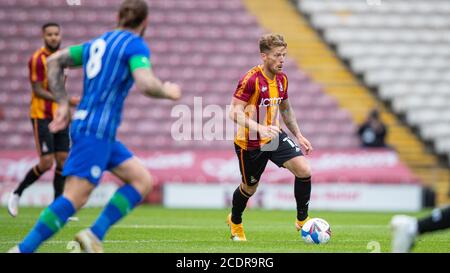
[(56, 82), (151, 86), (291, 123), (288, 115), (40, 92), (55, 74), (238, 114)]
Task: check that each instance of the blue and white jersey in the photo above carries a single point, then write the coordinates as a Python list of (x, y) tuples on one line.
[(107, 81)]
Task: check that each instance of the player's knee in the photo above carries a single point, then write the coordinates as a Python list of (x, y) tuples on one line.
[(77, 199), (60, 160), (143, 183), (82, 201), (250, 189), (60, 165), (45, 163), (148, 182), (302, 170), (77, 191)]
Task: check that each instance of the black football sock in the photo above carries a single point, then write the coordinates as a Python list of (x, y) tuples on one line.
[(240, 199), (58, 182), (302, 192), (439, 219), (32, 175)]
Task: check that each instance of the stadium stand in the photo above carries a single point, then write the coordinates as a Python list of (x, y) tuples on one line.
[(400, 48), (205, 45), (184, 40), (316, 57)]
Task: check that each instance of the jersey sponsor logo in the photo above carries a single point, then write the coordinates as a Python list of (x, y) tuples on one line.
[(80, 115), (270, 102)]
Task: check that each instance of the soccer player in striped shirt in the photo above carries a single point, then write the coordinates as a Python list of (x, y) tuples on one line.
[(50, 146), (259, 98), (111, 63)]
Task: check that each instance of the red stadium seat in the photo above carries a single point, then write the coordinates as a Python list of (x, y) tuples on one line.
[(192, 43)]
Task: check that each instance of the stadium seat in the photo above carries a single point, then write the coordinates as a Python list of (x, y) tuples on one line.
[(191, 42), (399, 48)]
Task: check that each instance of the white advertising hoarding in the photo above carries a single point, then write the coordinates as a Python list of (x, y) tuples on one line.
[(339, 196), (41, 194)]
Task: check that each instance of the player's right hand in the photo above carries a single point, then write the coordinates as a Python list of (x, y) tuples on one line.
[(269, 131), (61, 119), (172, 90), (74, 101)]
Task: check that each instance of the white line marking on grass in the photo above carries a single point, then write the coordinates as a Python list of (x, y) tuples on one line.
[(53, 242), (163, 226), (222, 226), (359, 226)]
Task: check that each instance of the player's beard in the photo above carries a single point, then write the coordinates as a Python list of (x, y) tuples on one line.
[(278, 69), (53, 49), (274, 70)]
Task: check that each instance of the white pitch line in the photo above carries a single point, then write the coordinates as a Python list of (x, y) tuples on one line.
[(162, 226), (359, 226), (217, 227), (53, 242)]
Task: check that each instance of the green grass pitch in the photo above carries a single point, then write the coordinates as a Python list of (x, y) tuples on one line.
[(161, 230)]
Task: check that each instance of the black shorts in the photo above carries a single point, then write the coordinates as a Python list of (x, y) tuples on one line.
[(47, 142), (253, 162)]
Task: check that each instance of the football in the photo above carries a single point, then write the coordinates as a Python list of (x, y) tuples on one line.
[(316, 231)]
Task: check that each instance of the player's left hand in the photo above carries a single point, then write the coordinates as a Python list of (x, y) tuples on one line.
[(305, 144), (61, 119)]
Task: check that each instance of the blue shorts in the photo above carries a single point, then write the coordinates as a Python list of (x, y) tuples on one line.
[(89, 157)]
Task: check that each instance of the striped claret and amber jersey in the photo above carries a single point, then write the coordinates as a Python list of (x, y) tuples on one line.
[(40, 108), (263, 96)]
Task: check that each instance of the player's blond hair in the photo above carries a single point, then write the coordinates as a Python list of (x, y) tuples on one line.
[(132, 13), (269, 41)]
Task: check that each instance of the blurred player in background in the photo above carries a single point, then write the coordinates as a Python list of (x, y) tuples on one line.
[(405, 229), (260, 95), (111, 63), (50, 146)]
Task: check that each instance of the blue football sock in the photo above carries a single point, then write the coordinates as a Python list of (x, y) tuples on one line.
[(51, 220), (122, 202)]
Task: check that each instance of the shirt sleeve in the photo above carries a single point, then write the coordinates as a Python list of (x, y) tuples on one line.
[(37, 69), (138, 55), (76, 52), (245, 88), (139, 61), (285, 87)]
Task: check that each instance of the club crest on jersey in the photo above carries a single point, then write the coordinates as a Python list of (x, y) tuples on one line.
[(264, 88), (280, 86)]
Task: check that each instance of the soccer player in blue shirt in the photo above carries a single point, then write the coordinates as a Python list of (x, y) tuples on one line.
[(111, 64)]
